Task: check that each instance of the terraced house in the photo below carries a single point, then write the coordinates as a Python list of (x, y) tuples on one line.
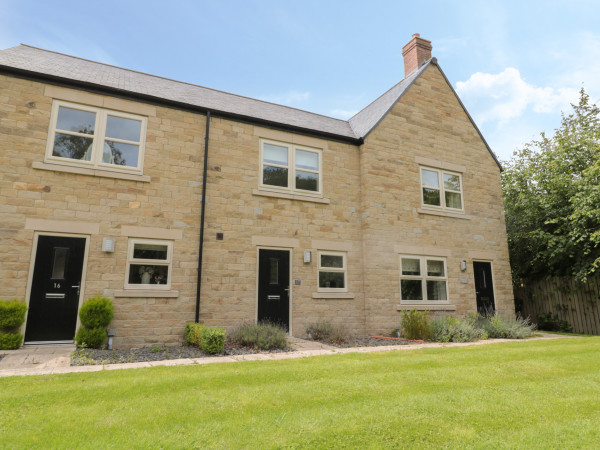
[(183, 203)]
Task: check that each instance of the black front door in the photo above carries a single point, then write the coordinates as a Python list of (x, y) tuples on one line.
[(484, 288), (274, 287), (54, 298)]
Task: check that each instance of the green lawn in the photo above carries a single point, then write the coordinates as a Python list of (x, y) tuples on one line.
[(524, 394)]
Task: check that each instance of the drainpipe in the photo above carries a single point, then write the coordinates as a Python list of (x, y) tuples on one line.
[(201, 245)]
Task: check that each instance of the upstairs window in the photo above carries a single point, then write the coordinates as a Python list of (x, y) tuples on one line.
[(288, 167), (441, 189), (96, 138)]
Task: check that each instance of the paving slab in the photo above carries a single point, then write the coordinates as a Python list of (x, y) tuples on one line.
[(172, 362)]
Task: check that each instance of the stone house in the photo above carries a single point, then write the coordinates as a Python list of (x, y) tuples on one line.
[(306, 218)]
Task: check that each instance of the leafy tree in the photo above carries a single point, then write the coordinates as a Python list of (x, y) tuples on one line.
[(75, 147), (551, 193)]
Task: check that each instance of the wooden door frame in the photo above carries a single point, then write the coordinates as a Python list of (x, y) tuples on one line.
[(34, 247), (289, 250)]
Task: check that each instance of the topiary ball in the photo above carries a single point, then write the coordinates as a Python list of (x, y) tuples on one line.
[(12, 314), (97, 312), (10, 341), (90, 337)]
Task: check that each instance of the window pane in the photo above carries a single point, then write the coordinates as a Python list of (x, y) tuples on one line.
[(436, 290), (336, 261), (452, 182), (307, 160), (150, 251), (431, 197), (120, 154), (74, 147), (120, 128), (411, 267), (430, 178), (273, 271), (307, 181), (435, 268), (61, 255), (331, 280), (275, 154), (411, 290), (75, 120), (139, 274), (275, 176), (453, 200)]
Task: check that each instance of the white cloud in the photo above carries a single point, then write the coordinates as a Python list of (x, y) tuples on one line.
[(342, 113), (290, 98), (505, 96)]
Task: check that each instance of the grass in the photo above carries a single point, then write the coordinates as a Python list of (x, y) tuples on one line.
[(507, 395)]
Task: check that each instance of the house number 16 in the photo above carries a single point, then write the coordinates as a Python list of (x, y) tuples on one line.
[(56, 285)]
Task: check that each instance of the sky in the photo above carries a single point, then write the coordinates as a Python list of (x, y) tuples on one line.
[(515, 64)]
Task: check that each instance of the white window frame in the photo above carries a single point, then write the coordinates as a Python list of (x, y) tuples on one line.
[(343, 269), (98, 138), (424, 278), (442, 189), (291, 167), (153, 262)]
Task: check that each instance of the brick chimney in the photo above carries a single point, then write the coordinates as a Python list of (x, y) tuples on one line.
[(417, 51)]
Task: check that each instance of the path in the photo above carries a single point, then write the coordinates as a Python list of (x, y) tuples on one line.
[(44, 360)]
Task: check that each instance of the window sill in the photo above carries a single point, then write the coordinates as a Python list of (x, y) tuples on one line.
[(333, 295), (428, 307), (146, 293), (435, 212), (87, 171), (304, 198)]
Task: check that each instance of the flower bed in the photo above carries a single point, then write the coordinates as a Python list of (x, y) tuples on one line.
[(88, 356)]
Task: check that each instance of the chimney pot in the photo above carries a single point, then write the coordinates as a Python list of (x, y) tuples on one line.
[(415, 53)]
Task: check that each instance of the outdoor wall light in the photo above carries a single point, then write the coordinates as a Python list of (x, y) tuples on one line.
[(111, 334), (108, 244), (307, 256), (463, 265)]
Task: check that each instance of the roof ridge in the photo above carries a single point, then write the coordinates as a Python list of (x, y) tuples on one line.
[(186, 83), (399, 82)]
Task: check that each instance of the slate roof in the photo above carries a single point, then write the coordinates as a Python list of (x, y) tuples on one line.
[(70, 70), (45, 62)]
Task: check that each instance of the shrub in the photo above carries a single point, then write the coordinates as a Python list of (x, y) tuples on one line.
[(193, 334), (416, 325), (90, 337), (10, 341), (509, 328), (450, 329), (259, 336), (319, 331), (97, 312), (327, 332), (213, 340), (549, 322), (12, 314)]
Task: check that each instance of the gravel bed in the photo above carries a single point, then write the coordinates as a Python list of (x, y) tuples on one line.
[(371, 342), (88, 356)]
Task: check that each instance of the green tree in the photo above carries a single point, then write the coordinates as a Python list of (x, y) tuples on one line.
[(551, 193)]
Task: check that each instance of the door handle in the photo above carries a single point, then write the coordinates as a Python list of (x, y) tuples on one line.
[(78, 286)]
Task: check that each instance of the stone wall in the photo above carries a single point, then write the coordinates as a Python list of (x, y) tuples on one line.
[(370, 209), (428, 123)]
